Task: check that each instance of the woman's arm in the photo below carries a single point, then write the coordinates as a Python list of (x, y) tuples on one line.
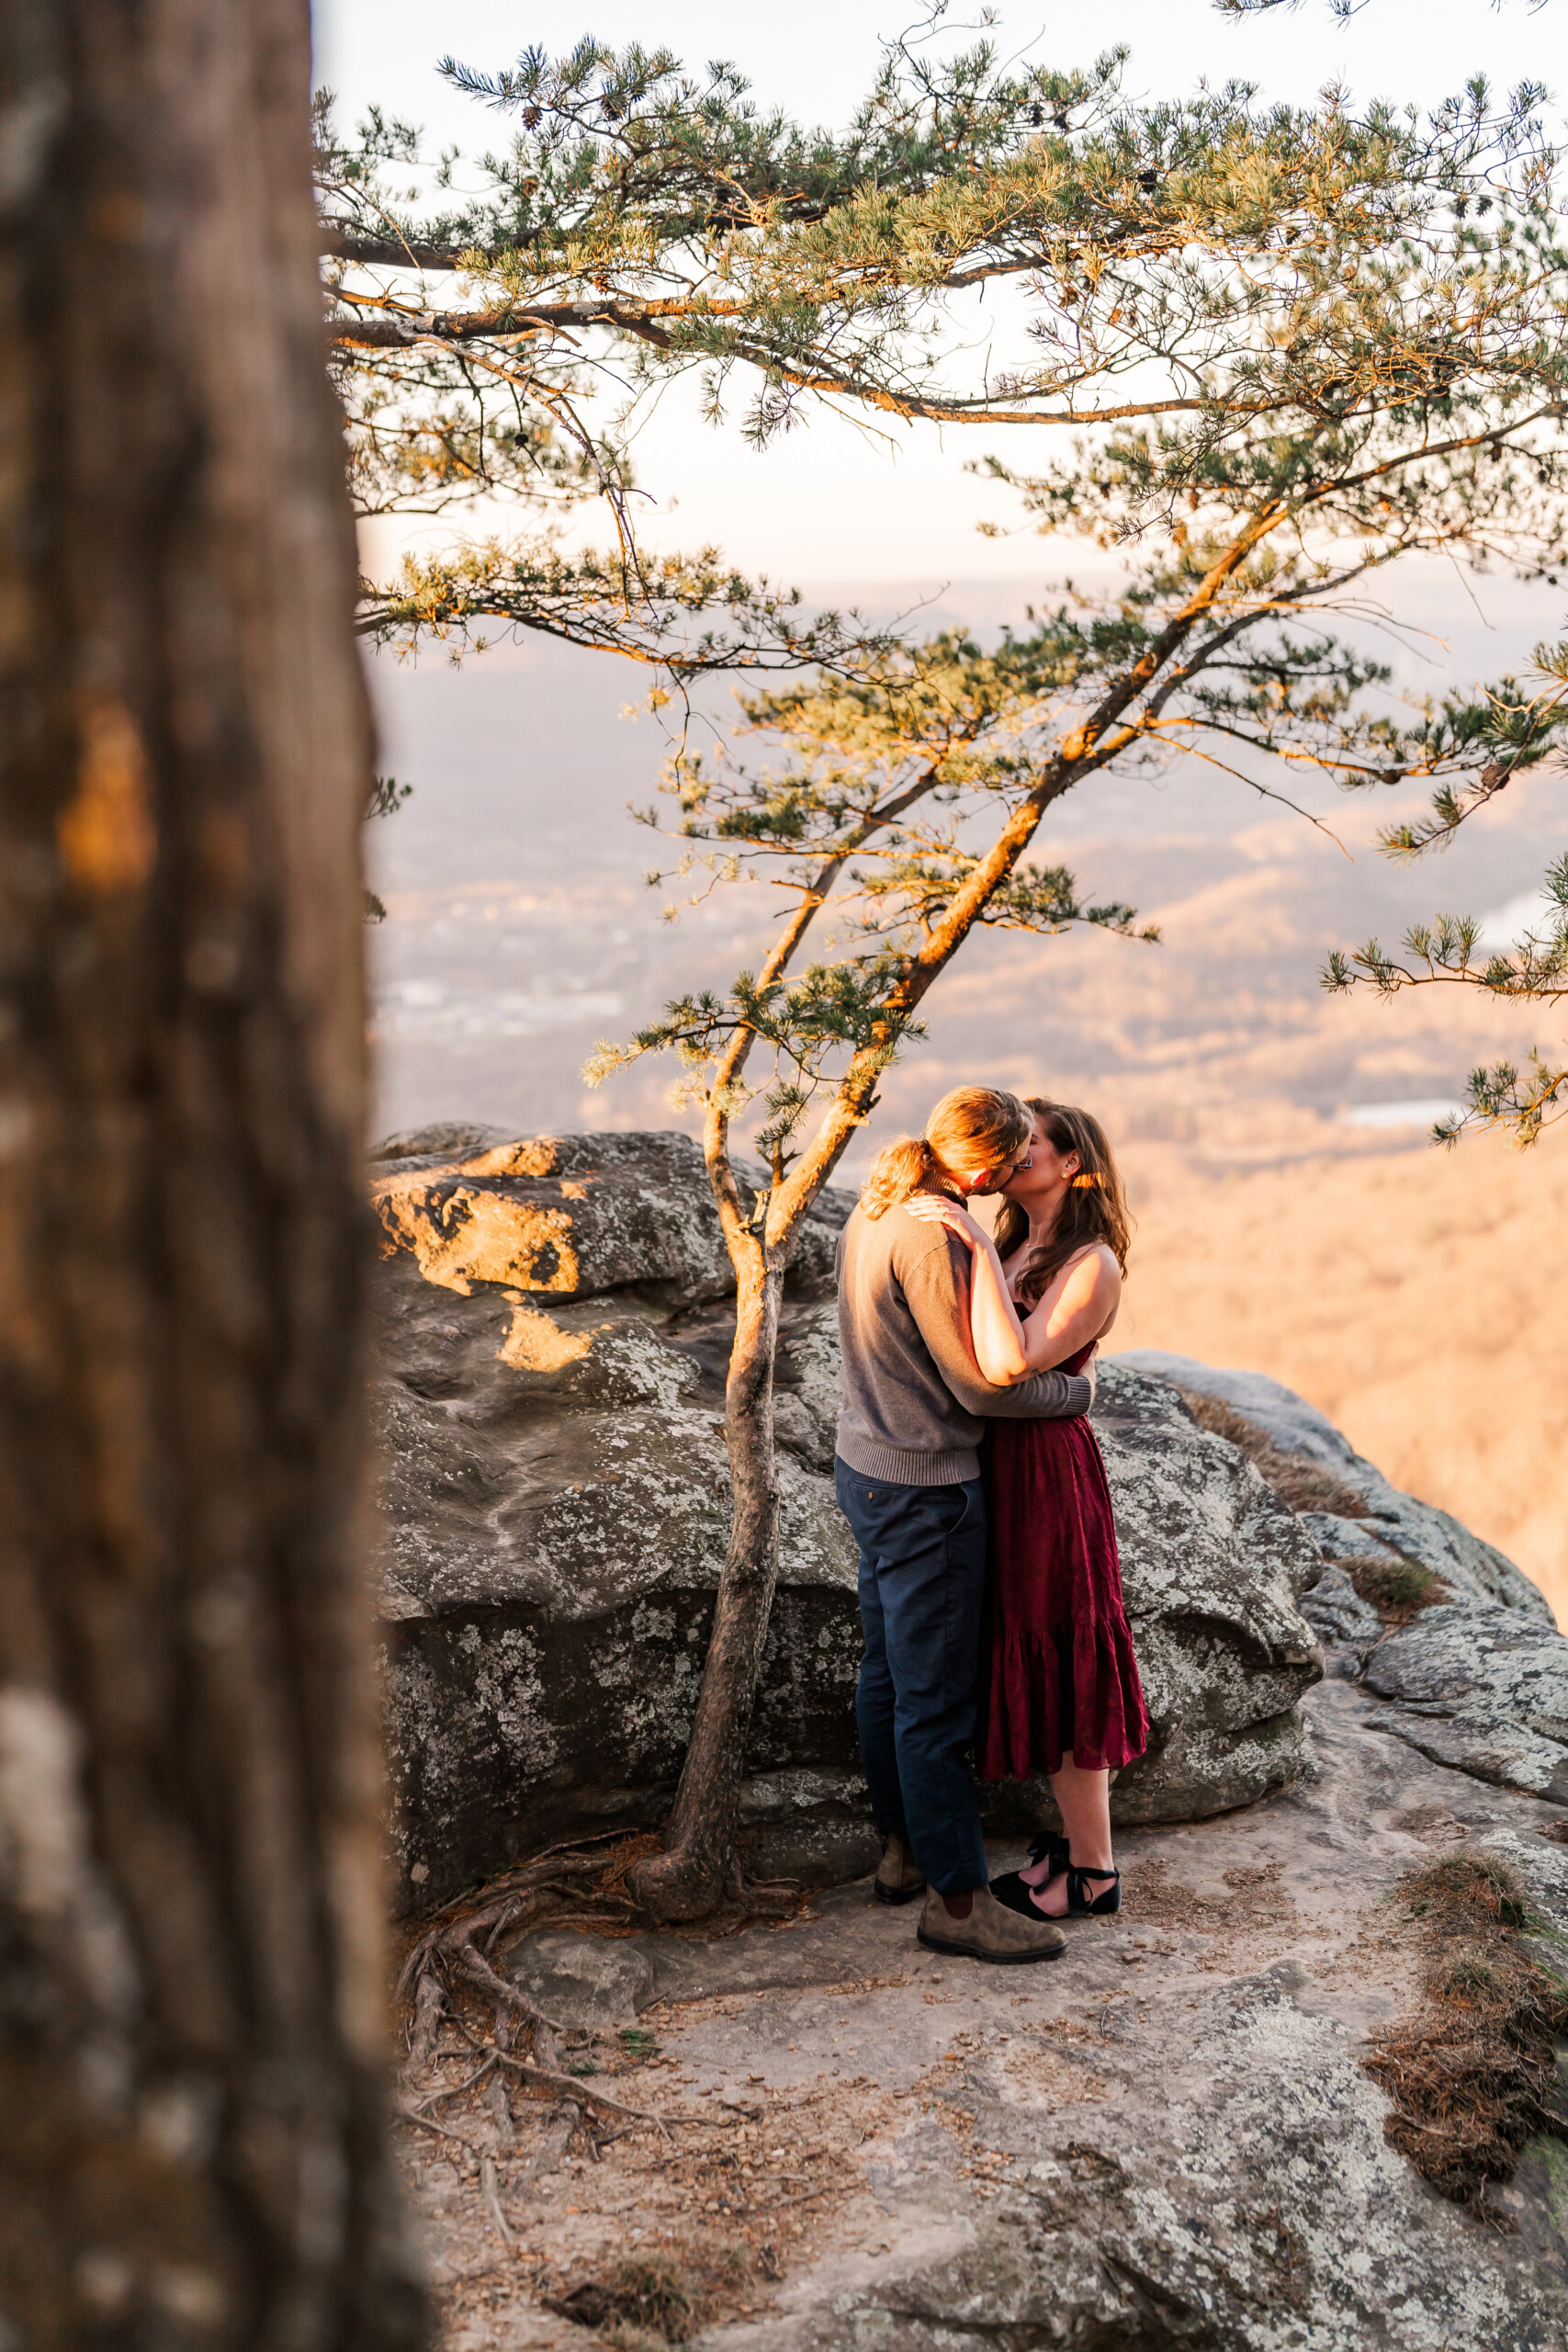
[(1078, 1306), (998, 1336)]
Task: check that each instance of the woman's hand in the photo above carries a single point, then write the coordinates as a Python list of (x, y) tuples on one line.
[(936, 1208), (993, 1327)]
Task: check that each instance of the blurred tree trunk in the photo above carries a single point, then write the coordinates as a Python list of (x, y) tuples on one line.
[(191, 1996)]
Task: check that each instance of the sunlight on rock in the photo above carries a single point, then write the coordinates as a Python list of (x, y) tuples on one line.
[(535, 1344)]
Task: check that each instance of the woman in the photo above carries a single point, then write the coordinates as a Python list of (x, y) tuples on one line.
[(1061, 1693)]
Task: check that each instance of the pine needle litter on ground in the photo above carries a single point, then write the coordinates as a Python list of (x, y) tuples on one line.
[(1471, 2072)]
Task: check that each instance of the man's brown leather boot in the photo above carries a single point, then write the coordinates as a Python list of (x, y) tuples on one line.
[(897, 1880), (991, 1932)]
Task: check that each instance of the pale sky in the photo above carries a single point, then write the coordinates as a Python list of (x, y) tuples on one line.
[(815, 57), (834, 504)]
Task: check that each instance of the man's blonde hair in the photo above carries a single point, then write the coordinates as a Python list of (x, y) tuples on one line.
[(971, 1129)]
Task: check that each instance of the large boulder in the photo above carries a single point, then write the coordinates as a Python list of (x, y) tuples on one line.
[(555, 1499), (1483, 1687), (1383, 1522), (1479, 1676), (1212, 1568), (555, 1502)]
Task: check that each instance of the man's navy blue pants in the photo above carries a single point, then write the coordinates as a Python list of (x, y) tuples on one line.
[(922, 1576)]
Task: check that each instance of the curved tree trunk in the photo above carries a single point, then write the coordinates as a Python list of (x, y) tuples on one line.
[(688, 1877), (191, 2000)]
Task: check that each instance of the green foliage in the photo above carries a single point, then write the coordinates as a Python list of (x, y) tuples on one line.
[(639, 222), (1511, 731), (387, 795), (1489, 738), (1535, 969), (850, 1009), (1233, 276), (1519, 1103), (688, 615), (913, 783)]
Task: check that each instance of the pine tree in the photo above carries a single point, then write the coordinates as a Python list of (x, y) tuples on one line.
[(1368, 381), (1280, 350), (645, 223)]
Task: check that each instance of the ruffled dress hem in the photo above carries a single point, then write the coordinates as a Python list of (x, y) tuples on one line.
[(1027, 1728)]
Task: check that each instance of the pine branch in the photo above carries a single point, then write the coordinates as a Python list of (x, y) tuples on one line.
[(650, 611)]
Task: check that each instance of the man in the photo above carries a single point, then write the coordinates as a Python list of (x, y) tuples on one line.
[(908, 1480)]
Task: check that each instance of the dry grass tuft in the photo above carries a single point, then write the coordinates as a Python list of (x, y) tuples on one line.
[(647, 2298), (1300, 1485), (1471, 2072), (650, 2299), (1398, 1589)]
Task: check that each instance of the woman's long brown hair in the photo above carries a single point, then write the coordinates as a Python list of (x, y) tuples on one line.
[(1094, 1207)]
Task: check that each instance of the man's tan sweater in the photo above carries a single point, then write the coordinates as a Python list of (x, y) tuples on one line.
[(914, 1400)]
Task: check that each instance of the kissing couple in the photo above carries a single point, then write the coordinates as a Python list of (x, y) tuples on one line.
[(991, 1591)]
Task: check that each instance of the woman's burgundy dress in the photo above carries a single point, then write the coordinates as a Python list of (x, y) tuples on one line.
[(1058, 1670)]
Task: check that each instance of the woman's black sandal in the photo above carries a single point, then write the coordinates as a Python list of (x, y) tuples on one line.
[(1083, 1905), (1014, 1890)]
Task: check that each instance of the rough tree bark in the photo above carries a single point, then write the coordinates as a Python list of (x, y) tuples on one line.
[(688, 1877), (191, 1996)]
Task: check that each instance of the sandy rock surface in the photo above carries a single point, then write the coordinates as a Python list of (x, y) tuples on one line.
[(1164, 2138)]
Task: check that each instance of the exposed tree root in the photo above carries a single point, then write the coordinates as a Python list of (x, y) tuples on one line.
[(581, 1885), (490, 2190), (550, 2151), (1472, 2073), (450, 1974), (441, 2131), (577, 2087), (430, 2005), (452, 2090)]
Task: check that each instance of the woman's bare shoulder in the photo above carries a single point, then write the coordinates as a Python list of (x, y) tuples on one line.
[(1100, 1256), (1092, 1270)]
